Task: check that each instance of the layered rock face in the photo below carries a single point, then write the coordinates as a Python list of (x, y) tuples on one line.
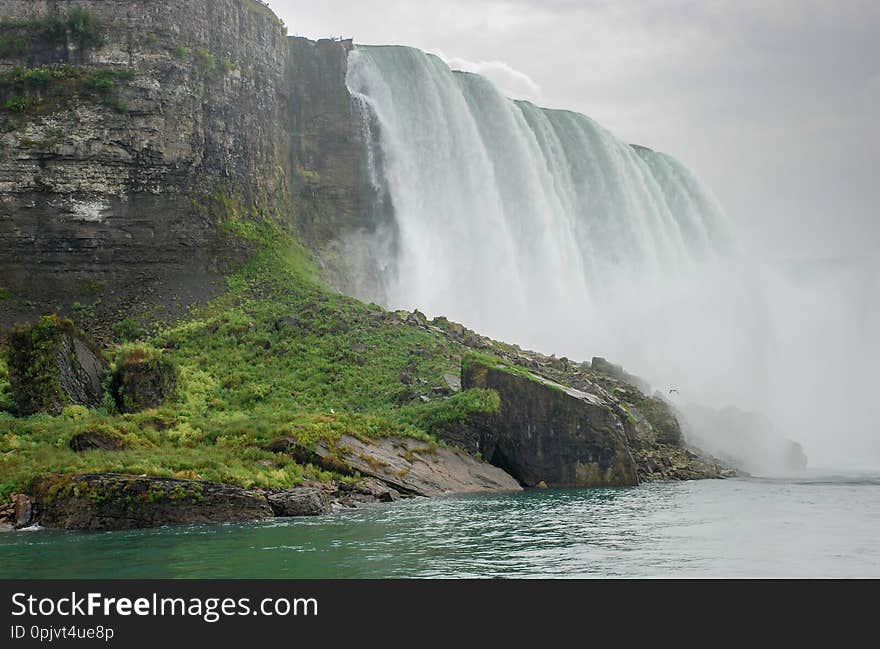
[(550, 434), (120, 157), (337, 207)]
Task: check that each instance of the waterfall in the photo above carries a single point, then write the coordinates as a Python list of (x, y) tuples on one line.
[(509, 214), (540, 227)]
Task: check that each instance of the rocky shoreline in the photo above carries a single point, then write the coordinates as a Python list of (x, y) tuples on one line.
[(544, 433), (389, 469)]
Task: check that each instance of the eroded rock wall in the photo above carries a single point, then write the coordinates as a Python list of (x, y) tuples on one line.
[(341, 205), (114, 178)]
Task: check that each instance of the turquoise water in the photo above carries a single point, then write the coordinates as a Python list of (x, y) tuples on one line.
[(818, 527)]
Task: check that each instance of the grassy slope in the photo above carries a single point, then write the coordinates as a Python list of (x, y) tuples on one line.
[(278, 354)]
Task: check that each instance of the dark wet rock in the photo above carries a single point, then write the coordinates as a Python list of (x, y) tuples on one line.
[(368, 490), (23, 511), (289, 322), (281, 445), (7, 516), (143, 380), (52, 365), (546, 432), (301, 501), (116, 502), (473, 433)]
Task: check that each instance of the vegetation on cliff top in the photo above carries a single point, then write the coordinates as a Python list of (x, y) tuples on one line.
[(278, 355)]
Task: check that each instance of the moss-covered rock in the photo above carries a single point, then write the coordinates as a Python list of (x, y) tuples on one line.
[(51, 365), (546, 432), (98, 437), (144, 378), (113, 502)]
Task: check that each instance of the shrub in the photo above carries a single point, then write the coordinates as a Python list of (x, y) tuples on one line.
[(37, 77), (32, 357), (15, 104), (205, 59), (127, 330), (85, 28)]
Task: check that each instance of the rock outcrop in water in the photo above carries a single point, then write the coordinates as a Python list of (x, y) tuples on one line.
[(653, 434), (114, 502), (548, 433), (400, 467)]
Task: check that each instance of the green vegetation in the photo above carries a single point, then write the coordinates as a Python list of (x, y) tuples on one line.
[(15, 104), (33, 354), (278, 355), (79, 27), (206, 62), (127, 330), (7, 405), (85, 28), (456, 408), (46, 88)]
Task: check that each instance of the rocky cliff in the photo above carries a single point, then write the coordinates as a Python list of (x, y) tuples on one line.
[(337, 206), (138, 136), (132, 131), (550, 434)]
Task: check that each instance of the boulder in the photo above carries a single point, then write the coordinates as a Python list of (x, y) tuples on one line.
[(52, 365), (412, 467), (98, 438), (546, 432), (116, 502), (143, 379), (452, 382), (23, 511), (302, 501)]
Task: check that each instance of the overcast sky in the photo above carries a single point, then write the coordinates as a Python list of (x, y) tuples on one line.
[(773, 103)]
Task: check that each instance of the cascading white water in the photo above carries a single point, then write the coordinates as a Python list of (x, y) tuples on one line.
[(511, 216), (539, 227)]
